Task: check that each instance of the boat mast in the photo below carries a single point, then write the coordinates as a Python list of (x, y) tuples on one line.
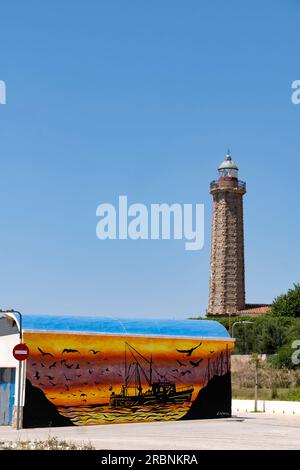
[(126, 378), (139, 383), (150, 372), (227, 358)]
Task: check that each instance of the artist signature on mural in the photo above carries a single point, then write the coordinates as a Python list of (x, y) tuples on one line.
[(223, 413)]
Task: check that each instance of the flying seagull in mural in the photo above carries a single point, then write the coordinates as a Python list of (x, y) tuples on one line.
[(49, 377), (188, 352), (70, 351), (196, 363), (185, 372), (53, 365), (94, 351), (64, 362), (211, 352), (45, 353), (182, 364)]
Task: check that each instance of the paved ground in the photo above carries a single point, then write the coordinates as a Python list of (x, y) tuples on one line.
[(247, 431)]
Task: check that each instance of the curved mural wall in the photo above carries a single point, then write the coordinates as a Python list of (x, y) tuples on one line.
[(86, 379)]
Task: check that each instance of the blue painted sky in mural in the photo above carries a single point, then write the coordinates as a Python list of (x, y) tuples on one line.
[(144, 327)]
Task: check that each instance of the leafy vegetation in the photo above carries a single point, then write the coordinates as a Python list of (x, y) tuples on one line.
[(281, 394), (287, 305), (266, 334)]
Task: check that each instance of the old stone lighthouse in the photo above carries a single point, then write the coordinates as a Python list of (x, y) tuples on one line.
[(227, 268)]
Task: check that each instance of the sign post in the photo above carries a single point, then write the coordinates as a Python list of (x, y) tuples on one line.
[(20, 353)]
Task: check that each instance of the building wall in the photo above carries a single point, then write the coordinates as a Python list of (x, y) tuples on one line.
[(77, 379), (7, 361), (7, 344)]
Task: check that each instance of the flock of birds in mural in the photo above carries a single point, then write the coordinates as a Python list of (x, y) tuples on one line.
[(64, 363)]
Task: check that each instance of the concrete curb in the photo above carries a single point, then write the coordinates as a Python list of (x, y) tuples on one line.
[(267, 406)]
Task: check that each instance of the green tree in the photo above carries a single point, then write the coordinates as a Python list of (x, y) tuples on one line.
[(287, 305), (264, 336), (269, 334), (283, 358)]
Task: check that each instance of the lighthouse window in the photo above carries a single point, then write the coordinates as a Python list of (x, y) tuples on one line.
[(231, 172)]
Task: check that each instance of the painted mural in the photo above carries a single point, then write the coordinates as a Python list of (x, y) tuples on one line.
[(81, 379)]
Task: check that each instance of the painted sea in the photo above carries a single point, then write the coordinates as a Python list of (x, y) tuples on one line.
[(105, 414)]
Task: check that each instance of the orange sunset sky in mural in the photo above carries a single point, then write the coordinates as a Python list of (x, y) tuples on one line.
[(84, 369)]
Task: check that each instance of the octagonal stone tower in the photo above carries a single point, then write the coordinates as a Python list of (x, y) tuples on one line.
[(227, 268)]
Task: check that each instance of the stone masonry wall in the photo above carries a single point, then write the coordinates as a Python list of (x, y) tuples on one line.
[(227, 279)]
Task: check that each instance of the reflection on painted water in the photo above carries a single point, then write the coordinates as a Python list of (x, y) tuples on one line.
[(105, 414)]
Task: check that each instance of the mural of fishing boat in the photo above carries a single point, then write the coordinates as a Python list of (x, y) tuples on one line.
[(160, 390)]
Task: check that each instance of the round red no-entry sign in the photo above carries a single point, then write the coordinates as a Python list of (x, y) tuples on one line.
[(21, 352)]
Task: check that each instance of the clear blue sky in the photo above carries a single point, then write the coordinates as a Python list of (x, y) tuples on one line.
[(143, 98)]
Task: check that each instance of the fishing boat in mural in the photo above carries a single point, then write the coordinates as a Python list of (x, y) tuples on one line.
[(141, 369)]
